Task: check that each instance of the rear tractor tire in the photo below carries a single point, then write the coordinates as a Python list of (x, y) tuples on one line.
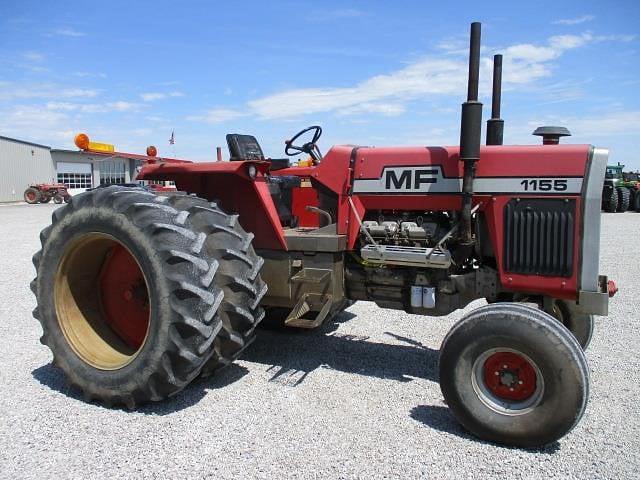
[(610, 202), (623, 199), (32, 195), (512, 374), (636, 201), (134, 292)]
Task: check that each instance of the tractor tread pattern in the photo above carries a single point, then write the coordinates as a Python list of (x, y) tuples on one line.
[(199, 330), (237, 275), (624, 197), (610, 201)]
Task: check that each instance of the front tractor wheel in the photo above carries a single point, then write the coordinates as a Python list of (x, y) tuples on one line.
[(134, 296), (513, 374)]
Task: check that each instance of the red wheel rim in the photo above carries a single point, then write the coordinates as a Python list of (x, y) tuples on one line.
[(509, 376), (124, 296), (31, 196)]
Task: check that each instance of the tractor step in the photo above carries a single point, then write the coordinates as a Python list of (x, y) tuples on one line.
[(407, 256)]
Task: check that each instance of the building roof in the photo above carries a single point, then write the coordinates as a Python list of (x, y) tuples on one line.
[(64, 150), (24, 142)]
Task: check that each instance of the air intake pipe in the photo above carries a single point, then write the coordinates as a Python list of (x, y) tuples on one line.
[(470, 132), (495, 125)]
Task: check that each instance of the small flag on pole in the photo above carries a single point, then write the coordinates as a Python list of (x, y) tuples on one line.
[(172, 140)]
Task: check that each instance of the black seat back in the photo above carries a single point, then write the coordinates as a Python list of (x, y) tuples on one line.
[(243, 147)]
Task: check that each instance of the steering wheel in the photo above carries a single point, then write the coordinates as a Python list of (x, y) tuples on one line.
[(309, 148)]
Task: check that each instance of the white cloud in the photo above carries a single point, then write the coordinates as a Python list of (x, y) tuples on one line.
[(616, 38), (35, 123), (387, 94), (574, 21), (153, 96), (68, 32), (141, 132), (150, 97), (614, 123), (79, 92), (33, 56), (218, 115), (13, 91), (118, 106), (156, 119), (386, 109), (426, 77), (89, 74), (121, 106)]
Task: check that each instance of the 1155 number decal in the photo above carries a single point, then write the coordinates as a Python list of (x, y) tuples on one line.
[(544, 185)]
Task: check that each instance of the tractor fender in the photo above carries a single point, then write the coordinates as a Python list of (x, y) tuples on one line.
[(230, 185)]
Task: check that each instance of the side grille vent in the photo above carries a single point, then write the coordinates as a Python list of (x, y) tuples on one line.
[(539, 236)]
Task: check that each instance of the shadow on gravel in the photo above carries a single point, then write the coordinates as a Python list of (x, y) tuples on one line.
[(195, 391), (293, 354), (441, 418), (53, 378)]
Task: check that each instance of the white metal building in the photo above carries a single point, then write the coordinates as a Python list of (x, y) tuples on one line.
[(22, 163), (81, 170)]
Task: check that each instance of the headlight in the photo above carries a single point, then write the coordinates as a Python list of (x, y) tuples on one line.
[(252, 171)]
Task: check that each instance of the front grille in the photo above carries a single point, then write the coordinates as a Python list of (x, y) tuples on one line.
[(539, 236)]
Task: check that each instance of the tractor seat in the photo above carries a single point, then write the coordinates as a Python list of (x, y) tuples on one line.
[(246, 147)]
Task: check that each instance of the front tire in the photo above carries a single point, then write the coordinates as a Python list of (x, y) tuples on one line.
[(512, 374)]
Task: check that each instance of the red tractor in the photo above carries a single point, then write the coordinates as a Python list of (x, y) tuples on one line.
[(138, 293), (44, 192)]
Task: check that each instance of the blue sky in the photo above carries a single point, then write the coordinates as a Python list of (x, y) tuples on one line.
[(373, 73)]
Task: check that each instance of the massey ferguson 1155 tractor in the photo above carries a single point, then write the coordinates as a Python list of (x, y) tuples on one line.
[(139, 293)]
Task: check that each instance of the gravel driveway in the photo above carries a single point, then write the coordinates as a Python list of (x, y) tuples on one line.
[(358, 398)]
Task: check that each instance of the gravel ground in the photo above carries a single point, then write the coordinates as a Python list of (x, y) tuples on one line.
[(357, 399)]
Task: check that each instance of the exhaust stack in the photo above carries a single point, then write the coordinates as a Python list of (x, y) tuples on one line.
[(470, 131), (495, 125)]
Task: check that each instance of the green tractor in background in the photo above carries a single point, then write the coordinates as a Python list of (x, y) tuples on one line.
[(621, 191)]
